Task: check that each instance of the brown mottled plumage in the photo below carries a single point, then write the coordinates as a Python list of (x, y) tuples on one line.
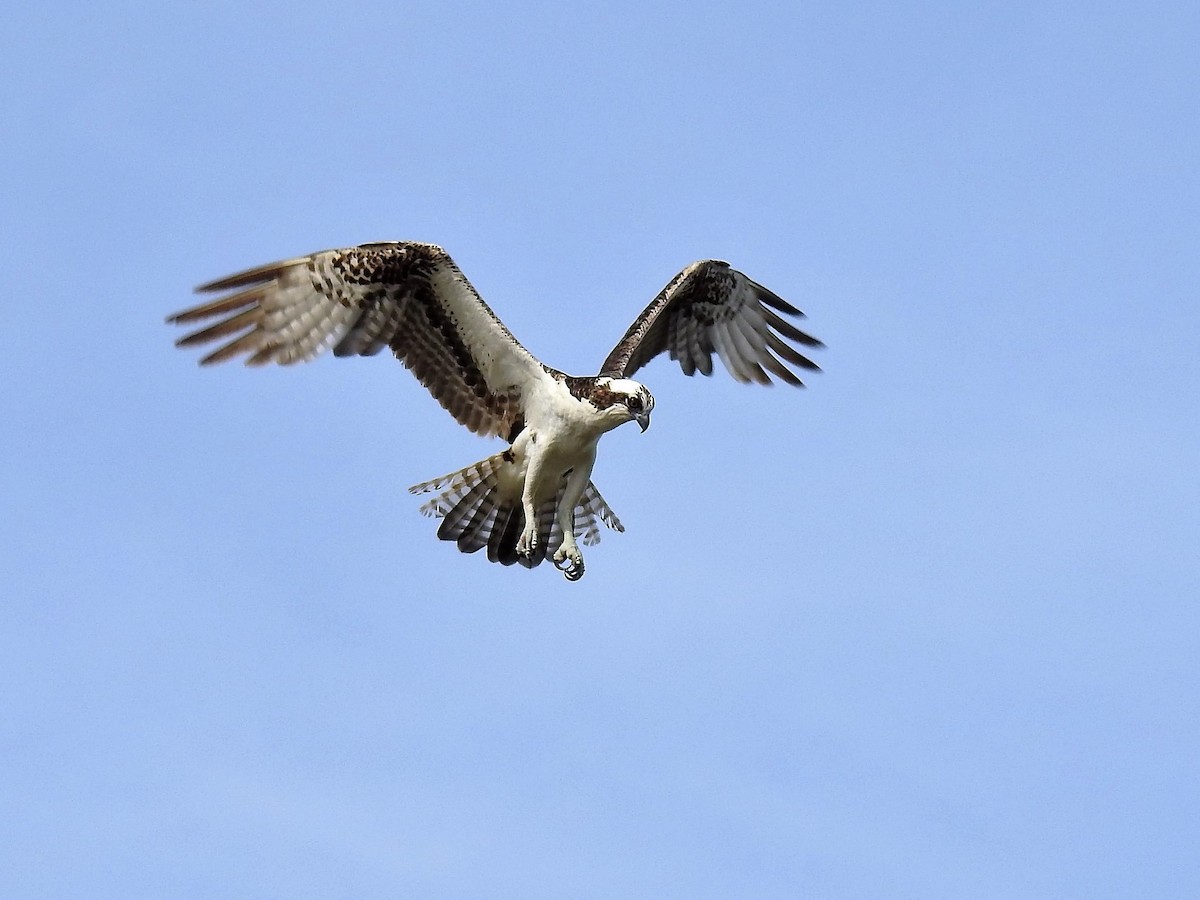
[(535, 498), (710, 307)]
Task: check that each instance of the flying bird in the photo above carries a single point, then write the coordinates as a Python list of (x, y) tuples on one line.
[(534, 499)]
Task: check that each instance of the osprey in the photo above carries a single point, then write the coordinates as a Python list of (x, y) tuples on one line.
[(535, 498)]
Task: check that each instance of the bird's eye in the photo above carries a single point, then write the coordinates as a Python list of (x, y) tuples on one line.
[(635, 404)]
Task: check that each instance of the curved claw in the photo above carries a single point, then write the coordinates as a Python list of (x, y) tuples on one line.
[(571, 570), (526, 545)]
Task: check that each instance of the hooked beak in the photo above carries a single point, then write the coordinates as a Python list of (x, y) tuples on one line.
[(643, 420)]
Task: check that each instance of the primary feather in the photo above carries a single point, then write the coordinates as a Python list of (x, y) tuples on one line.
[(407, 296), (710, 307), (535, 499)]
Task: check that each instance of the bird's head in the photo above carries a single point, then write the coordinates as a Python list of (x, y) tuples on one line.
[(630, 401)]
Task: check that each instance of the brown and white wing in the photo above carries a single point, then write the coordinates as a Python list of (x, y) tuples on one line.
[(407, 296), (712, 308)]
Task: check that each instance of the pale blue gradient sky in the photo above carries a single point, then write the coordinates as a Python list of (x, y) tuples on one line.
[(927, 629)]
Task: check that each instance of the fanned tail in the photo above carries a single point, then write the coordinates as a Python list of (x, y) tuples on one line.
[(480, 506), (590, 511)]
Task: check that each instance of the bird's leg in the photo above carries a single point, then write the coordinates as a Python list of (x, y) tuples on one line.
[(528, 541), (567, 558)]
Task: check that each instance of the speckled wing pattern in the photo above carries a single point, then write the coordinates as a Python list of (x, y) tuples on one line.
[(407, 296), (711, 308)]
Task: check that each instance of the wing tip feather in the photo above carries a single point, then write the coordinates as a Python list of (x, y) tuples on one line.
[(259, 275)]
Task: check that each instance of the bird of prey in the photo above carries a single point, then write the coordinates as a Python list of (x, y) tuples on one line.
[(535, 498)]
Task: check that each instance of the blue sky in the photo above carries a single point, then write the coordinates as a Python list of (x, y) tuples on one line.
[(926, 629)]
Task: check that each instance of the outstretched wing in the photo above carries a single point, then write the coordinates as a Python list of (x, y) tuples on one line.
[(710, 307), (407, 296)]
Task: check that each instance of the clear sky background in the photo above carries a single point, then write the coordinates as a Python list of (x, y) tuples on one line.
[(927, 629)]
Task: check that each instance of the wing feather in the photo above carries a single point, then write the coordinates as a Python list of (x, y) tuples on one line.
[(749, 353), (711, 308), (407, 296), (728, 353)]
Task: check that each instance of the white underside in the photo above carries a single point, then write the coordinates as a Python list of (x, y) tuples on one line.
[(559, 441)]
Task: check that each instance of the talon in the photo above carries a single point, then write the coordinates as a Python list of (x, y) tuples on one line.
[(526, 544), (570, 563), (572, 569)]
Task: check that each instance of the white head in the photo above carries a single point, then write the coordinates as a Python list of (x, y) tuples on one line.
[(622, 400)]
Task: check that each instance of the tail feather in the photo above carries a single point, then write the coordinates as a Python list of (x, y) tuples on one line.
[(502, 541), (478, 512), (456, 485), (495, 532), (478, 528), (545, 525), (590, 508), (459, 517)]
